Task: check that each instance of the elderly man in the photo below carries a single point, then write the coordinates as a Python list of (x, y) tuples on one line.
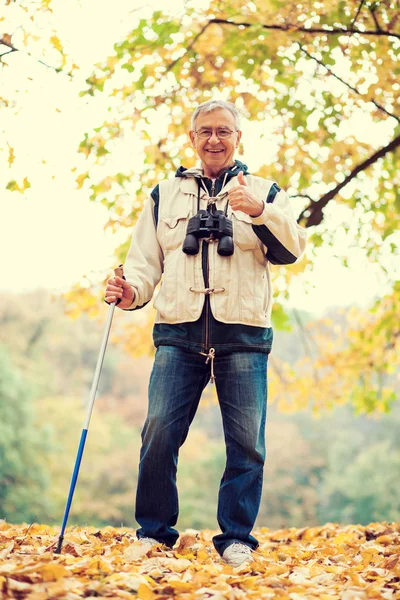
[(209, 234)]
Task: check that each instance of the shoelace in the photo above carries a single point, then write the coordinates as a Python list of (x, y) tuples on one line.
[(239, 548)]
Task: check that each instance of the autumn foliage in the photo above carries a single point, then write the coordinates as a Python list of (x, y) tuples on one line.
[(327, 562)]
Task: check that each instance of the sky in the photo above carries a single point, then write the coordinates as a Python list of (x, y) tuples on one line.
[(52, 235)]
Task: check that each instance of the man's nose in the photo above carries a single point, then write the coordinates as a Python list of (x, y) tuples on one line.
[(214, 139)]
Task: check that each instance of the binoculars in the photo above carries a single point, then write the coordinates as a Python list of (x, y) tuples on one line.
[(209, 225)]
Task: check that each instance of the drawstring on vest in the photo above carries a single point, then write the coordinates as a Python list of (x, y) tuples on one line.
[(206, 291), (210, 356)]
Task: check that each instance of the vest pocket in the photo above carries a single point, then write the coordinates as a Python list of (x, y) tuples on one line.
[(172, 230), (243, 234)]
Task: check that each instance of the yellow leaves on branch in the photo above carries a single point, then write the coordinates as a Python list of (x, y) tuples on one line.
[(349, 362), (81, 179), (81, 300), (6, 39), (11, 155), (326, 562), (56, 43), (14, 186)]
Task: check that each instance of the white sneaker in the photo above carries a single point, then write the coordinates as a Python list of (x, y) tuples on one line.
[(148, 541), (237, 554)]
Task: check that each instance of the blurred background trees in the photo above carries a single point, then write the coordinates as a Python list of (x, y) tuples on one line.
[(333, 465), (24, 478)]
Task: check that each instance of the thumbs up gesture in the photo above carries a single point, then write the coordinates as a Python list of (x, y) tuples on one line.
[(241, 199), (241, 179)]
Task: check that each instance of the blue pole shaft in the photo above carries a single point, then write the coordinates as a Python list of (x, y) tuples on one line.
[(86, 425), (72, 488)]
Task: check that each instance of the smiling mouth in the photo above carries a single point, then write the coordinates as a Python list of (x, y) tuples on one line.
[(214, 151)]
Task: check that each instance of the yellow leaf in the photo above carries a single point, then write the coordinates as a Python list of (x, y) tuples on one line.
[(180, 586), (53, 572), (114, 577), (11, 156), (343, 538), (384, 539), (56, 43), (81, 178), (188, 555), (202, 556), (145, 593)]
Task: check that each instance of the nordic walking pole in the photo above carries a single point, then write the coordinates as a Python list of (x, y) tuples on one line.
[(119, 272)]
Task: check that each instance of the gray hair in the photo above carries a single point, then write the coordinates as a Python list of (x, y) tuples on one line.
[(210, 105)]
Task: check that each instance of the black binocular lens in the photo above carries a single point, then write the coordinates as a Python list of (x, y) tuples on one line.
[(204, 225), (190, 244), (225, 246)]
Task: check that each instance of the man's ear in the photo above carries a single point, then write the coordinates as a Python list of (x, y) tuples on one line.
[(191, 135), (239, 135)]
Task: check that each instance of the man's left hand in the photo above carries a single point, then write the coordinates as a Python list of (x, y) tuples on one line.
[(241, 199)]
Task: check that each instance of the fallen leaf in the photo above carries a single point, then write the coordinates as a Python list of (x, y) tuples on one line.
[(17, 586), (73, 549), (135, 551), (53, 572), (7, 550), (186, 541), (145, 593)]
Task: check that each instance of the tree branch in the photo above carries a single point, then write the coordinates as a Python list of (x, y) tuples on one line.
[(302, 196), (357, 14), (5, 54), (296, 28), (375, 18), (5, 42), (382, 108), (316, 207), (353, 23), (192, 43)]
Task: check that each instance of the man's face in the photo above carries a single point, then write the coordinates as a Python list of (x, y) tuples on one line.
[(215, 154)]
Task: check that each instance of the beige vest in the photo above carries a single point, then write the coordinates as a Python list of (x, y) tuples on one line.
[(241, 282)]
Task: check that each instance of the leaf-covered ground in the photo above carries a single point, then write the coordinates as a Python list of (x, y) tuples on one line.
[(328, 562)]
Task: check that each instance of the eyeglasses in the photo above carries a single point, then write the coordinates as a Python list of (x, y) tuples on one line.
[(221, 132)]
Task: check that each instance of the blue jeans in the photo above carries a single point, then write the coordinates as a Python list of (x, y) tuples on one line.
[(176, 384)]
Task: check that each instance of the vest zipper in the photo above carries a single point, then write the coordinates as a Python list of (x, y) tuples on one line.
[(207, 299), (207, 282)]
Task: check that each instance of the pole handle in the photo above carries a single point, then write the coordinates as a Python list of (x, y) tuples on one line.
[(118, 272)]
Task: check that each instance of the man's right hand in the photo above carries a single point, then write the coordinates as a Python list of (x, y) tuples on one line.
[(118, 288)]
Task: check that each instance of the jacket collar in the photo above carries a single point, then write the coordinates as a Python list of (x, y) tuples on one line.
[(190, 179), (198, 172)]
